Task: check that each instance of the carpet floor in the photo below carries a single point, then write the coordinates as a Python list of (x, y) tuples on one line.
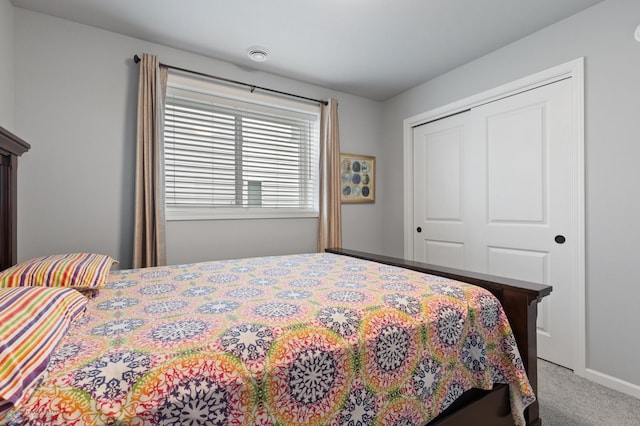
[(568, 400)]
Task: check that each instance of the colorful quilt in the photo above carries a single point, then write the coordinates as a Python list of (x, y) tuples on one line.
[(290, 340)]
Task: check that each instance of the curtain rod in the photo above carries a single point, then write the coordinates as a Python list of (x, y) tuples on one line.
[(253, 87)]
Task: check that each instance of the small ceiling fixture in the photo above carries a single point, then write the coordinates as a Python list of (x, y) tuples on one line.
[(258, 54)]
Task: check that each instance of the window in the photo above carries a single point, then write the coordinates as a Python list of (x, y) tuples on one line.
[(230, 153)]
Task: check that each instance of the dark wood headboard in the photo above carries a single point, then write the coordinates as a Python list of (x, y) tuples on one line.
[(11, 147)]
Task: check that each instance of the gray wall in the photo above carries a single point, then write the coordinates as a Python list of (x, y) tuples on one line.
[(75, 102), (6, 64), (602, 34)]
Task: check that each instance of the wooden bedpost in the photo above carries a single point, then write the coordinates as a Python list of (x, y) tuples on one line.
[(522, 311), (11, 147)]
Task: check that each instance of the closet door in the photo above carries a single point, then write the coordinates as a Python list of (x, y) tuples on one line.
[(496, 197), (527, 197), (440, 191)]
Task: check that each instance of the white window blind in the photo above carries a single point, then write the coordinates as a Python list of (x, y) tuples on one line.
[(229, 158)]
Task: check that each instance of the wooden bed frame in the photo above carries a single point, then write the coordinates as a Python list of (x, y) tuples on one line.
[(520, 302), (476, 407), (11, 147)]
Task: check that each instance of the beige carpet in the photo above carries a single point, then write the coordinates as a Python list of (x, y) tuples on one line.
[(569, 400)]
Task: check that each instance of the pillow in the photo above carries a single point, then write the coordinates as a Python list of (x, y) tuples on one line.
[(74, 270), (32, 322)]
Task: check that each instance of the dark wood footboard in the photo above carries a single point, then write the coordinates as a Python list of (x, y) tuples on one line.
[(520, 302)]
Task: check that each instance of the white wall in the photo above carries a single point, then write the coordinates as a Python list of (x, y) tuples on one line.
[(602, 34), (75, 102), (6, 64)]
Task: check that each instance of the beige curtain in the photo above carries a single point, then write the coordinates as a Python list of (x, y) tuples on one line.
[(149, 231), (330, 220)]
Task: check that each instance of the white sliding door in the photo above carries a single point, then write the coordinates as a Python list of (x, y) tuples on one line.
[(494, 193), (439, 150)]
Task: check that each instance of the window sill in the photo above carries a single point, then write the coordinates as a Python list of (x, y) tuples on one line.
[(236, 214)]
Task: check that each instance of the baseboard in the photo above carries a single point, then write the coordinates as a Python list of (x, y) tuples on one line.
[(612, 382)]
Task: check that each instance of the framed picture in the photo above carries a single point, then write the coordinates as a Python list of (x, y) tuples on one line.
[(357, 178)]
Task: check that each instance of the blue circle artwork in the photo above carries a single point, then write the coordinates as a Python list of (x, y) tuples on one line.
[(356, 179)]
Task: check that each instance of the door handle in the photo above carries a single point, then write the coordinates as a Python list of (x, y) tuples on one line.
[(419, 229), (560, 239)]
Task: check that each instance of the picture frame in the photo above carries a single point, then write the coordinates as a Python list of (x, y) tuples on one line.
[(357, 178)]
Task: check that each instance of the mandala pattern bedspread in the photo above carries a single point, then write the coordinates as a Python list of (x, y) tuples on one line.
[(304, 339)]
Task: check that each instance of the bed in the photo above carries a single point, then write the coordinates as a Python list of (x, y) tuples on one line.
[(341, 337)]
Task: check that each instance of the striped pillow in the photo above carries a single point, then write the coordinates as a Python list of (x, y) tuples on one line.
[(74, 270), (32, 322)]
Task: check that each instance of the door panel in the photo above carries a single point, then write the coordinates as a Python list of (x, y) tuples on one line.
[(449, 253), (517, 165), (529, 198), (525, 265), (439, 203), (493, 187), (442, 174)]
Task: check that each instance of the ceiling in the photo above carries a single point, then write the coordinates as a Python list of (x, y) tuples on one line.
[(370, 48)]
